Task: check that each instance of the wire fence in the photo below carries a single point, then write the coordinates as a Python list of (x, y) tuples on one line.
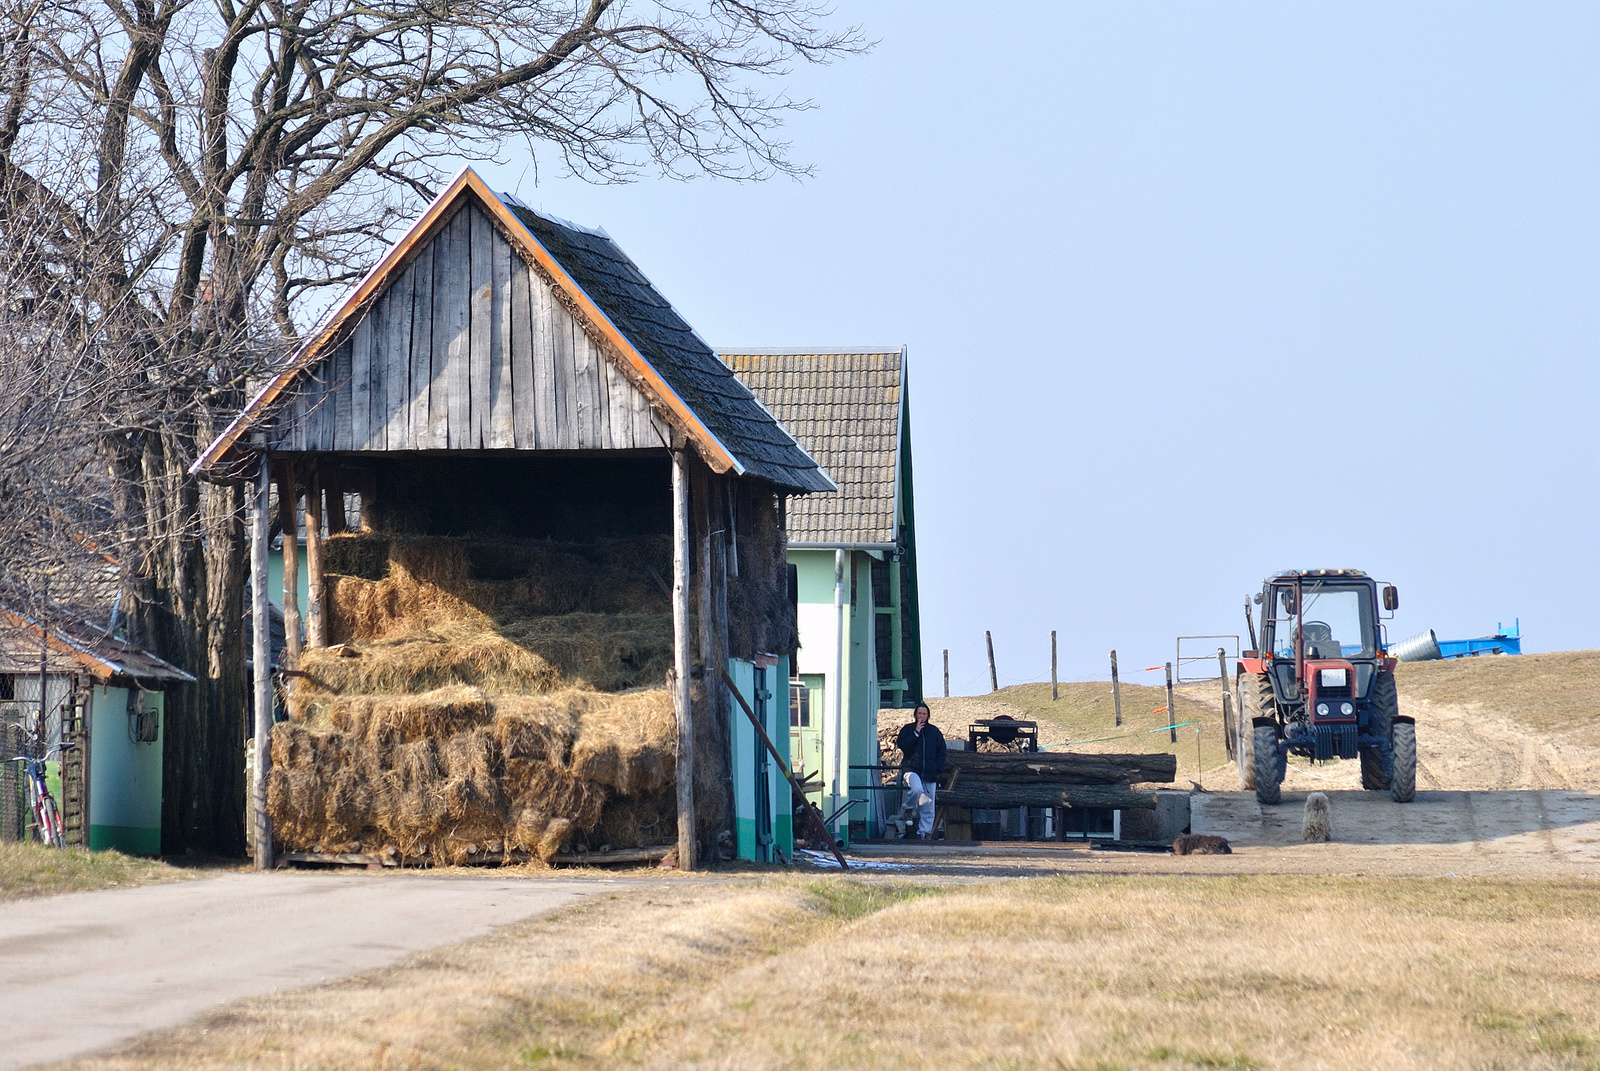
[(14, 741)]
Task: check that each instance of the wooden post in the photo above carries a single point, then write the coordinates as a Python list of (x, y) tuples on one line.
[(1172, 718), (317, 624), (289, 522), (261, 660), (680, 657), (1055, 691), (994, 681), (947, 673), (333, 492), (1116, 689)]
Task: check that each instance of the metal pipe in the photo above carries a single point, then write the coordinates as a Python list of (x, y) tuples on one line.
[(838, 669), (1423, 647)]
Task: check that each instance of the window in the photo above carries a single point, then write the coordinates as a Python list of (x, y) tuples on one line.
[(799, 705), (8, 688)]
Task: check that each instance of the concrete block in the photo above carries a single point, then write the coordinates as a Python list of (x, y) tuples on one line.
[(1164, 824)]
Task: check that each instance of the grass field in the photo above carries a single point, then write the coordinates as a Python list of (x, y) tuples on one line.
[(1086, 972), (28, 870), (1552, 693)]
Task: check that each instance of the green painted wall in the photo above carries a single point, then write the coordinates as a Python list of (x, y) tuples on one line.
[(124, 776), (770, 699)]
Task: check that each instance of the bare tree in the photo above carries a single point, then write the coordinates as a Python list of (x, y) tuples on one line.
[(183, 181)]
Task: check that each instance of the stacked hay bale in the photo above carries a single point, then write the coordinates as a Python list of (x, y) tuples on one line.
[(482, 697)]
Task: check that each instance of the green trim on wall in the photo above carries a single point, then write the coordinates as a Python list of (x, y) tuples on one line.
[(130, 840)]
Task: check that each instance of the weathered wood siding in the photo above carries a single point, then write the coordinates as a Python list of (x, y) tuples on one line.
[(467, 349)]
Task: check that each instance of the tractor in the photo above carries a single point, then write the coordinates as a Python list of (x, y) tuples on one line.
[(1319, 683)]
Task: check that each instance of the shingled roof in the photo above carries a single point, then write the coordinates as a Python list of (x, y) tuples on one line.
[(660, 353), (845, 407)]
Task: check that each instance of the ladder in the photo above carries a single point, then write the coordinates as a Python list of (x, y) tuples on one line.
[(75, 769)]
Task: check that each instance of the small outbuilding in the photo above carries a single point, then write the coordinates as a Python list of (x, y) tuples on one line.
[(571, 536), (99, 725)]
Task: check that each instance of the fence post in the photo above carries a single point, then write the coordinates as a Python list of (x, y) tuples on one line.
[(1227, 703), (1116, 688), (1055, 692), (994, 681), (947, 673), (1172, 717)]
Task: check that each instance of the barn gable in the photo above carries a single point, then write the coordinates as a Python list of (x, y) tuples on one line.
[(488, 326), (466, 348)]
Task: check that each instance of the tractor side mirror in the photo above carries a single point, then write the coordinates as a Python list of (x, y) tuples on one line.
[(1391, 598)]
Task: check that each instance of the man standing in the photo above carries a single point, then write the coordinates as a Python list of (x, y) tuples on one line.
[(922, 757)]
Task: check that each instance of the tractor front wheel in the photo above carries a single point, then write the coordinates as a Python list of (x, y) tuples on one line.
[(1269, 776), (1385, 707), (1403, 786), (1255, 701)]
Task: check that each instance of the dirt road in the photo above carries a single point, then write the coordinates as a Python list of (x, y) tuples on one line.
[(83, 971)]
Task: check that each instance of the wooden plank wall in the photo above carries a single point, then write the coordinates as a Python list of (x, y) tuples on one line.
[(467, 350)]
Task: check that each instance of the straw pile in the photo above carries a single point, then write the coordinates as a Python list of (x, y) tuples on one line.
[(481, 697)]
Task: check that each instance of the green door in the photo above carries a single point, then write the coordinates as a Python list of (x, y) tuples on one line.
[(806, 708)]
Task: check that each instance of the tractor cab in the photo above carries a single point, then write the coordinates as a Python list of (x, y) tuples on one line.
[(1318, 682)]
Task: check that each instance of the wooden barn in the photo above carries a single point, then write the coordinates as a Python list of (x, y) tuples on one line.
[(571, 534)]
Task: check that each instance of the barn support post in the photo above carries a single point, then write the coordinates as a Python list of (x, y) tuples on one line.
[(680, 657), (289, 524), (261, 661), (317, 626), (722, 706)]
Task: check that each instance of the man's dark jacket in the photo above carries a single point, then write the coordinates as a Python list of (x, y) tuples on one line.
[(922, 754)]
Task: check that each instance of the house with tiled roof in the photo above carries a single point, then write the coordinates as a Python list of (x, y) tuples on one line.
[(854, 552)]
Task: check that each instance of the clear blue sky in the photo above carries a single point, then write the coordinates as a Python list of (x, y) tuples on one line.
[(1192, 293)]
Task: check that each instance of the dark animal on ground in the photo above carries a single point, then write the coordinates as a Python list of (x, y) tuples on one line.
[(1201, 844)]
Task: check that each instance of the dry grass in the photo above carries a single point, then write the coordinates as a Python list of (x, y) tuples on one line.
[(1084, 972), (29, 870), (1548, 692)]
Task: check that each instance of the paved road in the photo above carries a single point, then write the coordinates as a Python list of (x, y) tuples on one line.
[(98, 968)]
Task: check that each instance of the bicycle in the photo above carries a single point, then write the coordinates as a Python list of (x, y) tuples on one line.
[(46, 815)]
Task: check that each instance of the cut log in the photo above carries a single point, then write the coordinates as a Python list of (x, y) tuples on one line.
[(1063, 768), (995, 797)]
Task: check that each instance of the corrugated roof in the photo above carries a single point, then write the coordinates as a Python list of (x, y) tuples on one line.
[(844, 407), (76, 644)]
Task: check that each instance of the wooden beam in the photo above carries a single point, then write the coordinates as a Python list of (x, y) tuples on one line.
[(317, 620), (680, 655), (261, 658), (289, 522)]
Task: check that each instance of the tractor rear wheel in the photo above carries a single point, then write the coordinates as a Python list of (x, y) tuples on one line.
[(1255, 701), (1264, 749), (1403, 786), (1385, 707)]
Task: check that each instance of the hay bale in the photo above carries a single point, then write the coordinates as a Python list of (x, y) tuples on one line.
[(607, 652), (486, 695), (628, 742), (446, 656)]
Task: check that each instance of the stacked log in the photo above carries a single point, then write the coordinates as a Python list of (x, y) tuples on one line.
[(1045, 779)]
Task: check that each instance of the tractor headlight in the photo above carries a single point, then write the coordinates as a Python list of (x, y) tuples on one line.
[(1346, 709), (1322, 709)]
